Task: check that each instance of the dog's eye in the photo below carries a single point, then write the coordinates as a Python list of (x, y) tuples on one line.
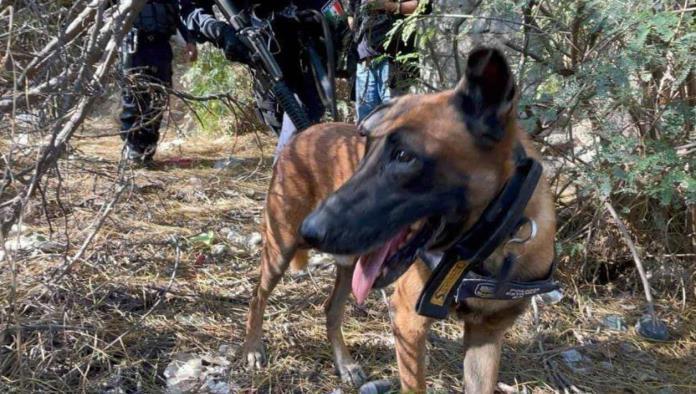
[(403, 156)]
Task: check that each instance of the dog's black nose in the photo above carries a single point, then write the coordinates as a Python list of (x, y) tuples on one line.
[(313, 232)]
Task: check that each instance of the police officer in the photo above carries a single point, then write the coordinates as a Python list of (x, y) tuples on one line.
[(379, 76), (147, 64), (201, 22)]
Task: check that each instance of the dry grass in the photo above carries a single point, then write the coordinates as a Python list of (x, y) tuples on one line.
[(141, 294)]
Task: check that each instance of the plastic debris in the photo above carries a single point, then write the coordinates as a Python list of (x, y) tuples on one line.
[(236, 238), (254, 241), (183, 374), (571, 356), (550, 298), (381, 386), (653, 329), (219, 250), (229, 162), (190, 373), (614, 323), (32, 242)]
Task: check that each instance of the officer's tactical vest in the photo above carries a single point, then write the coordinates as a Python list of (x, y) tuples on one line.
[(158, 17)]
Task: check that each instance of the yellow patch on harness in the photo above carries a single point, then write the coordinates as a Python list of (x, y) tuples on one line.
[(446, 286)]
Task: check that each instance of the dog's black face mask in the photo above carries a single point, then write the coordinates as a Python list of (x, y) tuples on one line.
[(394, 187), (428, 160)]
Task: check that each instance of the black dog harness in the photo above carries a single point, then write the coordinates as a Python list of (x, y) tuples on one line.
[(459, 275), (478, 283), (488, 287)]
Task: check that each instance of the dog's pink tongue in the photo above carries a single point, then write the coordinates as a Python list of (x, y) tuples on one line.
[(369, 266)]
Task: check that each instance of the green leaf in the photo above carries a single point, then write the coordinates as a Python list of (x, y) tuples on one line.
[(664, 25), (203, 238), (641, 36), (605, 188)]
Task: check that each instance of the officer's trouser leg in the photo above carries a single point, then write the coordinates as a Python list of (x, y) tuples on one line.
[(144, 101)]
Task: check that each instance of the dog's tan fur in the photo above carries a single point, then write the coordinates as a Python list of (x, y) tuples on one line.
[(312, 166), (323, 157)]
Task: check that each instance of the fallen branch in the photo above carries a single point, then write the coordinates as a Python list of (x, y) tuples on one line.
[(636, 257), (95, 229)]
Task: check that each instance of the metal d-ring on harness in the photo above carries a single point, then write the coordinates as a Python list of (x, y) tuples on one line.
[(502, 218)]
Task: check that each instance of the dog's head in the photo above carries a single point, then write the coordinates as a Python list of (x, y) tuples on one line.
[(439, 157)]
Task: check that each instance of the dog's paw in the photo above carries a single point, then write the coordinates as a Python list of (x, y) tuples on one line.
[(255, 357), (352, 374)]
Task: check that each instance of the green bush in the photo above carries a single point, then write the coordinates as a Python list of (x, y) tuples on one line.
[(608, 88), (212, 74)]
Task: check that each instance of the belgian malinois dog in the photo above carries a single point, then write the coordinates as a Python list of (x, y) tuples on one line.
[(364, 194)]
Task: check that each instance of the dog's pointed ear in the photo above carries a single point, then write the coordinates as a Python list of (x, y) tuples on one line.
[(368, 124), (486, 94)]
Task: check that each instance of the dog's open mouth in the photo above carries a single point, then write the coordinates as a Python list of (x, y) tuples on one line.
[(387, 263)]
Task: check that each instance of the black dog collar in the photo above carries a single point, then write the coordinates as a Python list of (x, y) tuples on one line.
[(499, 221)]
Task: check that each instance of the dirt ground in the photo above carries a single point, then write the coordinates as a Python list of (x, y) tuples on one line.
[(149, 287)]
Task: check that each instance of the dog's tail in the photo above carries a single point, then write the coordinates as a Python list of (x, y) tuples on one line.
[(299, 262)]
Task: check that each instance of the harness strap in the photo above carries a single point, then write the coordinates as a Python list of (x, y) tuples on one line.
[(503, 275), (487, 287), (501, 218), (478, 283)]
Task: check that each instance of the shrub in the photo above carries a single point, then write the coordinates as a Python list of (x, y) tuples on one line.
[(212, 75)]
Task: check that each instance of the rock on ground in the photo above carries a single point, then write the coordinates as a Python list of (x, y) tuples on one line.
[(575, 361)]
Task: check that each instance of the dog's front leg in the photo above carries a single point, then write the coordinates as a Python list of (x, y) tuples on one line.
[(334, 307), (482, 345), (273, 265), (410, 329)]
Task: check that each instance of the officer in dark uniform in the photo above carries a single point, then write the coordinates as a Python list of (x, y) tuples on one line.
[(147, 64), (201, 22)]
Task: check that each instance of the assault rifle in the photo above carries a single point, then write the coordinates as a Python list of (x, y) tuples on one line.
[(258, 38)]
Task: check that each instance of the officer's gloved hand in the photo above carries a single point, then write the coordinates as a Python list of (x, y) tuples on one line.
[(235, 50)]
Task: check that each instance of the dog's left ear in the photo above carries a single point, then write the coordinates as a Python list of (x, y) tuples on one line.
[(374, 118), (486, 94)]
